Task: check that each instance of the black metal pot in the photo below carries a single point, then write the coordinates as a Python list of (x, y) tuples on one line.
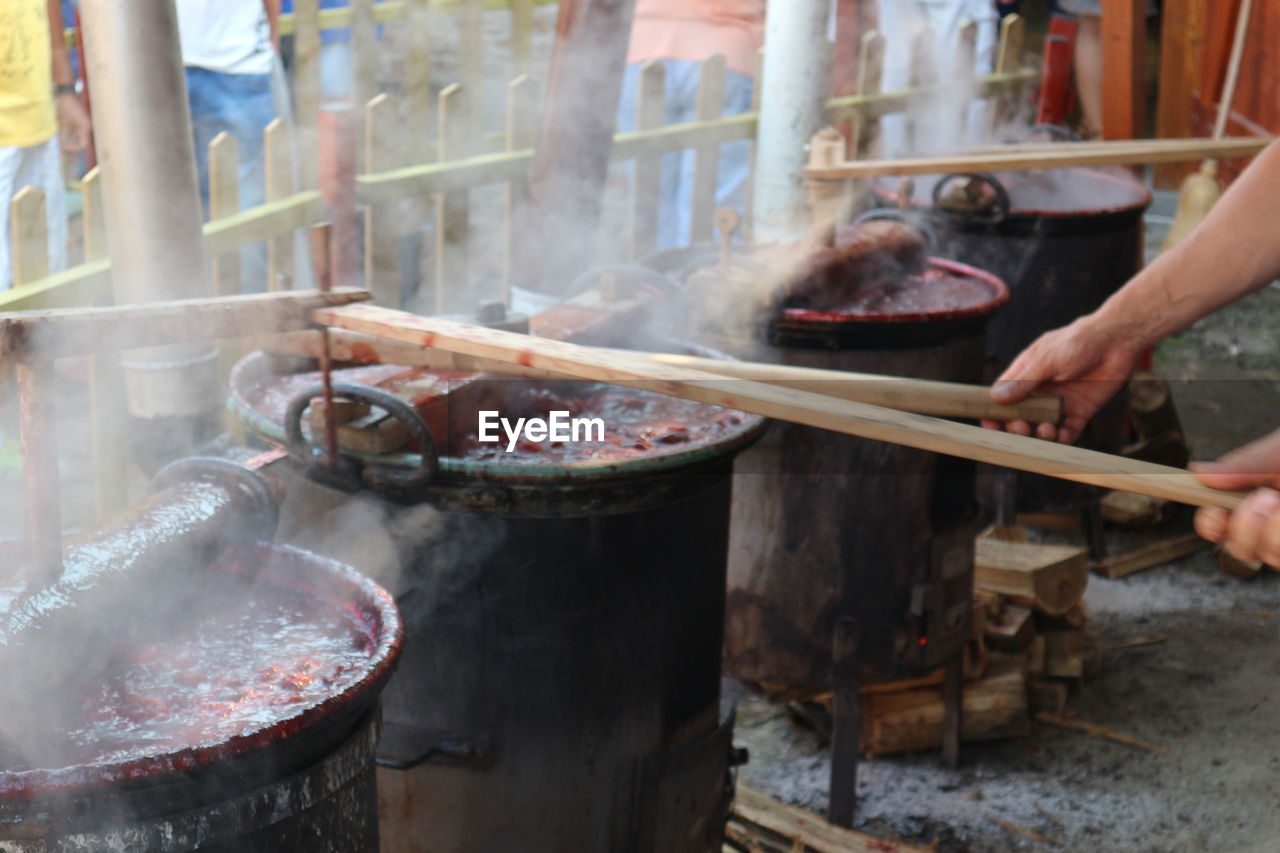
[(305, 783), (1064, 240), (560, 689)]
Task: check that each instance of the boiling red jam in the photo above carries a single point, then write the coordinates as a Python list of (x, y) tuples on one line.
[(636, 422), (238, 659), (933, 291)]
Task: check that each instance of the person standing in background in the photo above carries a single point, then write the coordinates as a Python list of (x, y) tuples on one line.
[(40, 116), (337, 75), (229, 51), (681, 34), (945, 123)]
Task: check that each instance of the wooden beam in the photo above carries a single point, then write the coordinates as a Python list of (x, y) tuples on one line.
[(1155, 554), (44, 335), (1124, 41), (1047, 157), (1050, 578), (1182, 24), (860, 419)]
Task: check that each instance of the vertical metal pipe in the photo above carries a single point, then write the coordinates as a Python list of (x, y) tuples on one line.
[(795, 80), (142, 127)]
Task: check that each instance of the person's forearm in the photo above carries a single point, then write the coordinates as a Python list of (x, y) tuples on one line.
[(62, 75), (272, 8), (1234, 251)]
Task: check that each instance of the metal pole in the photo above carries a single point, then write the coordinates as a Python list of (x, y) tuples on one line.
[(795, 80), (142, 127)]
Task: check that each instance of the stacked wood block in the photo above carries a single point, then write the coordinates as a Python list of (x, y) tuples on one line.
[(1027, 649)]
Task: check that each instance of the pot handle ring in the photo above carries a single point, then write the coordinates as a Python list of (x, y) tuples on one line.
[(249, 483), (351, 474), (999, 213), (893, 214)]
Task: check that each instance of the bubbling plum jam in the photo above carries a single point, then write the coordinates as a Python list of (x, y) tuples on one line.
[(932, 291), (238, 659)]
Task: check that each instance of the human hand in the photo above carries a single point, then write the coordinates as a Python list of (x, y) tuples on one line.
[(74, 126), (1080, 363), (1251, 532)]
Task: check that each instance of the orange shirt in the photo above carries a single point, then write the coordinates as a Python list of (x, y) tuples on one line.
[(696, 29), (26, 75)]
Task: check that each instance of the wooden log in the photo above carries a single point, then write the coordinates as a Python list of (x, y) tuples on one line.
[(810, 830), (874, 422), (909, 721), (1012, 631), (1050, 578), (1057, 156), (66, 332), (1076, 617), (1149, 556), (1064, 653), (1034, 657)]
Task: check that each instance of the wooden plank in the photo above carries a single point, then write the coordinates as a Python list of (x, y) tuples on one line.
[(1124, 41), (93, 219), (811, 829), (453, 209), (874, 422), (519, 135), (1013, 30), (363, 46), (1051, 157), (306, 86), (263, 222), (381, 244), (27, 336), (1012, 630), (646, 184), (1052, 578), (1156, 554), (1129, 510), (28, 237), (278, 161), (706, 158), (866, 131), (1182, 24), (522, 36), (417, 78), (224, 200)]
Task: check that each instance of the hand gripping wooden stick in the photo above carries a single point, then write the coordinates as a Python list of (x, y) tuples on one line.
[(859, 419)]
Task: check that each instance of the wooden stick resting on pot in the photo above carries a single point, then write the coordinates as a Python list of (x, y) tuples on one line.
[(1054, 156), (860, 419), (925, 397)]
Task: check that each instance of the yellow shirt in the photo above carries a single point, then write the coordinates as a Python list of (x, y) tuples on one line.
[(26, 74)]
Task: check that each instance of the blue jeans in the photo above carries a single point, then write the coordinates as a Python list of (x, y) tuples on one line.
[(240, 104), (676, 192)]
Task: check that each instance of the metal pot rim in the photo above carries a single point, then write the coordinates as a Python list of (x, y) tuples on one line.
[(288, 568)]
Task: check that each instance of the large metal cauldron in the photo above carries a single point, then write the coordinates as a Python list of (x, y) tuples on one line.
[(560, 687), (1064, 240), (304, 783), (833, 533)]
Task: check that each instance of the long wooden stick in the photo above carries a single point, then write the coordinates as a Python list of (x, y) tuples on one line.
[(860, 419), (65, 332), (925, 397), (1052, 157)]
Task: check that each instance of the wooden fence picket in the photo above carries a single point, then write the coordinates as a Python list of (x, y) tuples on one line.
[(647, 174), (710, 105), (224, 200), (453, 208), (869, 81), (1013, 31), (278, 173), (28, 237), (306, 86), (381, 267), (364, 34), (520, 133)]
